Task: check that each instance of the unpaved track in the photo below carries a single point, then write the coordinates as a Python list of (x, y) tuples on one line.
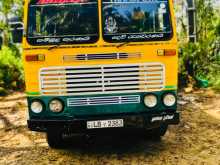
[(196, 140)]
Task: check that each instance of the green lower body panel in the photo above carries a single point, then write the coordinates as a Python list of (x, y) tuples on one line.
[(100, 105)]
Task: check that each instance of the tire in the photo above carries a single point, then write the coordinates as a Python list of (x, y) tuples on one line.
[(157, 133), (55, 139)]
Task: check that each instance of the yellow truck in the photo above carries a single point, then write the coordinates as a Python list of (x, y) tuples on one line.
[(92, 65)]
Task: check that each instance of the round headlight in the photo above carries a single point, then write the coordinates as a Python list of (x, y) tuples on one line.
[(36, 107), (169, 100), (56, 106), (150, 101)]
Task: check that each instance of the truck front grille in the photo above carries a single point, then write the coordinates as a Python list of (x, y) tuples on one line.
[(102, 79)]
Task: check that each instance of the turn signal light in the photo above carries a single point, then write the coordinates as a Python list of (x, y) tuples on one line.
[(166, 52), (36, 57)]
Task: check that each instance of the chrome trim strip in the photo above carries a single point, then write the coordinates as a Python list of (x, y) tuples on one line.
[(108, 100)]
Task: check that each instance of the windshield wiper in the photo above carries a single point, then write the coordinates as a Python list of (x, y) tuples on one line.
[(55, 46), (123, 44)]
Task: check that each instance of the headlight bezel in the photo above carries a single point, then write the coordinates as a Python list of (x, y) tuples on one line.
[(60, 101), (154, 95), (38, 101), (166, 94)]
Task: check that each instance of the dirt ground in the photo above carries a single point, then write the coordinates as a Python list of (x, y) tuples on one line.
[(196, 140)]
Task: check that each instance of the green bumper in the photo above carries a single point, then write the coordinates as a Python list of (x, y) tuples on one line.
[(79, 125)]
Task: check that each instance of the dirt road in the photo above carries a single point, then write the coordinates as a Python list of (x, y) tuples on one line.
[(195, 141)]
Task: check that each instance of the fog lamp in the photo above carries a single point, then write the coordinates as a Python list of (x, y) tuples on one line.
[(150, 100), (169, 100), (36, 107), (56, 106)]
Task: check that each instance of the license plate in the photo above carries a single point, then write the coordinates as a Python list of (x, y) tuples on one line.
[(105, 124)]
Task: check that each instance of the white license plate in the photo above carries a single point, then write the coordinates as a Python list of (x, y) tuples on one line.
[(105, 124)]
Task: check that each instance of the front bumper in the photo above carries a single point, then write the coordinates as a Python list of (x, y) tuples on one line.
[(79, 125)]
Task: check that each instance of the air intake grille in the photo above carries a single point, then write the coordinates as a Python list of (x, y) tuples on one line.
[(104, 56), (73, 102), (107, 56), (102, 79)]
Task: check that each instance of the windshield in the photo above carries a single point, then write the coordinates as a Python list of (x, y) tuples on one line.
[(136, 20), (62, 22)]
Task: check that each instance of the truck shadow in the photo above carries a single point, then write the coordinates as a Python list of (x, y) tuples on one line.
[(124, 142), (118, 145)]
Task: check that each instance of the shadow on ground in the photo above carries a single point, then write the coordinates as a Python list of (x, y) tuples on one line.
[(124, 142)]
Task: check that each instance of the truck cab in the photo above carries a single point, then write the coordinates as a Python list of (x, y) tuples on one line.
[(100, 64)]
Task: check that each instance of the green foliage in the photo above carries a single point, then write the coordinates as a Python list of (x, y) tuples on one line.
[(201, 60), (217, 31), (11, 70)]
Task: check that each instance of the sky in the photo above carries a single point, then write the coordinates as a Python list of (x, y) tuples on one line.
[(216, 3)]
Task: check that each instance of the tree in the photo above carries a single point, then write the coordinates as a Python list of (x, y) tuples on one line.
[(9, 8), (201, 60)]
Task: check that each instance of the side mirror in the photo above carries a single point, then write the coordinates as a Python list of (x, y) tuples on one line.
[(17, 31)]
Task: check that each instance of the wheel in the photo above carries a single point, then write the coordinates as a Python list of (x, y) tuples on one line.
[(156, 133), (55, 139)]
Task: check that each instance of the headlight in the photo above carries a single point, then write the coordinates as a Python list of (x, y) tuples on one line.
[(36, 107), (169, 100), (56, 106), (150, 100)]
